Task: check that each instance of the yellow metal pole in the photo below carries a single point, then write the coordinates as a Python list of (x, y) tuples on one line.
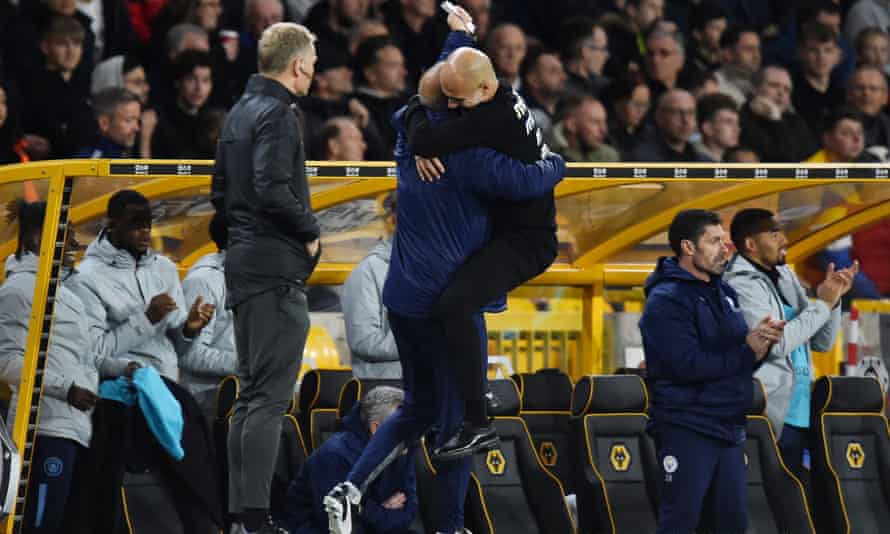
[(592, 321), (39, 326)]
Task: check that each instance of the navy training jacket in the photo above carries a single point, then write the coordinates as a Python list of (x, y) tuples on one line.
[(698, 366)]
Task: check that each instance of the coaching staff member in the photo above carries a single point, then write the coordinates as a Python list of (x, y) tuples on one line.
[(259, 185), (700, 356)]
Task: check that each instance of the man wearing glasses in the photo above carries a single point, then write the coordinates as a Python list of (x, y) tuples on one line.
[(675, 123)]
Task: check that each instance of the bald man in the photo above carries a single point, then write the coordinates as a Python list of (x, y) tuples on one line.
[(486, 113)]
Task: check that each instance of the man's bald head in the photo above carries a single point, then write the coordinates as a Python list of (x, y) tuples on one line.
[(468, 78)]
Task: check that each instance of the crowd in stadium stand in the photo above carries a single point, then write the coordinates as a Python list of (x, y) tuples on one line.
[(611, 80)]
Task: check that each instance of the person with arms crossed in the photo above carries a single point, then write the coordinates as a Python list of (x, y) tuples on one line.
[(766, 286), (700, 357), (259, 186)]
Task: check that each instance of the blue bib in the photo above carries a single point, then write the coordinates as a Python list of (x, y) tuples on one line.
[(799, 408)]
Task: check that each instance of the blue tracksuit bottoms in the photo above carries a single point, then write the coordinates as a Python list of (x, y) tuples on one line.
[(432, 398), (703, 487), (52, 474)]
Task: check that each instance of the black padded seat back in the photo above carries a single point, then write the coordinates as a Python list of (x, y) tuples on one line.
[(356, 388), (319, 397), (512, 491), (291, 457), (546, 410), (616, 478), (851, 456), (507, 392), (777, 501), (147, 505)]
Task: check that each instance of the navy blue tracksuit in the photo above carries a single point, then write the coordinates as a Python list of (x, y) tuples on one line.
[(52, 475), (699, 373), (440, 225)]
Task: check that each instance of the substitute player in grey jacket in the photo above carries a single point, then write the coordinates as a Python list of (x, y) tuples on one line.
[(70, 378), (767, 287), (132, 295), (373, 347), (212, 355)]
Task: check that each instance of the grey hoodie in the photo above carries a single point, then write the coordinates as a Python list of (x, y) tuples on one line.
[(813, 324), (373, 347), (70, 359), (116, 291), (212, 356)]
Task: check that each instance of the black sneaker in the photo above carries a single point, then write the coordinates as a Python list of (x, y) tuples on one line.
[(468, 440)]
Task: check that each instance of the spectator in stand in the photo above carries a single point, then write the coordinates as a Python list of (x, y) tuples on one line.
[(718, 119), (128, 73), (117, 114), (507, 47), (13, 147), (543, 84), (334, 21), (741, 154), (873, 49), (630, 101), (56, 103), (371, 342), (843, 140), (339, 139), (665, 59), (180, 125), (866, 14), (769, 124), (675, 121), (871, 247), (740, 57), (258, 15), (180, 38), (867, 94), (627, 29), (815, 91), (365, 30), (584, 49), (707, 22), (331, 96), (480, 13), (212, 355), (381, 69), (701, 84), (580, 136), (417, 32)]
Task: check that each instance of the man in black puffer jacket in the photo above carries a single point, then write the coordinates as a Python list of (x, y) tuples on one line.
[(260, 187)]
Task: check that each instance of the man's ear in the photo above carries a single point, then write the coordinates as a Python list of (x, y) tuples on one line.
[(44, 47), (104, 123), (688, 247)]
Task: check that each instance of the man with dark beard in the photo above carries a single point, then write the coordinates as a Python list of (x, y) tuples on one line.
[(766, 286)]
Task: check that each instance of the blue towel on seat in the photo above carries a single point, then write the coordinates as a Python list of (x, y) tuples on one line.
[(161, 410)]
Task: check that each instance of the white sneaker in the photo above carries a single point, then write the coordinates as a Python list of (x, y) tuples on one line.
[(341, 503)]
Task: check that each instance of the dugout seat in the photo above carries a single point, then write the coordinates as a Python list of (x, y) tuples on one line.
[(777, 501), (850, 456), (291, 457), (617, 472), (511, 491), (318, 400), (546, 407), (226, 393)]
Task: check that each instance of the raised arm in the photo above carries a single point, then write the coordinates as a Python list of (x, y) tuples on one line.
[(493, 174)]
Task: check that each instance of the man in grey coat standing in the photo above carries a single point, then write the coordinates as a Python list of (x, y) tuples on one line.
[(260, 188), (766, 286), (373, 347)]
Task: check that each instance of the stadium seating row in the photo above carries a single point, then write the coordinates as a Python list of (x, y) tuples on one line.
[(589, 439)]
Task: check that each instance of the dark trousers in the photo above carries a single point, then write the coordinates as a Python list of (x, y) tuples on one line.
[(503, 264), (270, 334), (432, 397), (795, 448), (52, 474), (703, 486)]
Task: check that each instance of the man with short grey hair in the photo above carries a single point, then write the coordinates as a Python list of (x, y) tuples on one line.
[(390, 502), (260, 189)]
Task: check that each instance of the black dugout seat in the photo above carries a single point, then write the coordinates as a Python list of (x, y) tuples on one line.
[(318, 400), (850, 456), (546, 407), (616, 479), (356, 388), (511, 490), (777, 501), (291, 457)]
